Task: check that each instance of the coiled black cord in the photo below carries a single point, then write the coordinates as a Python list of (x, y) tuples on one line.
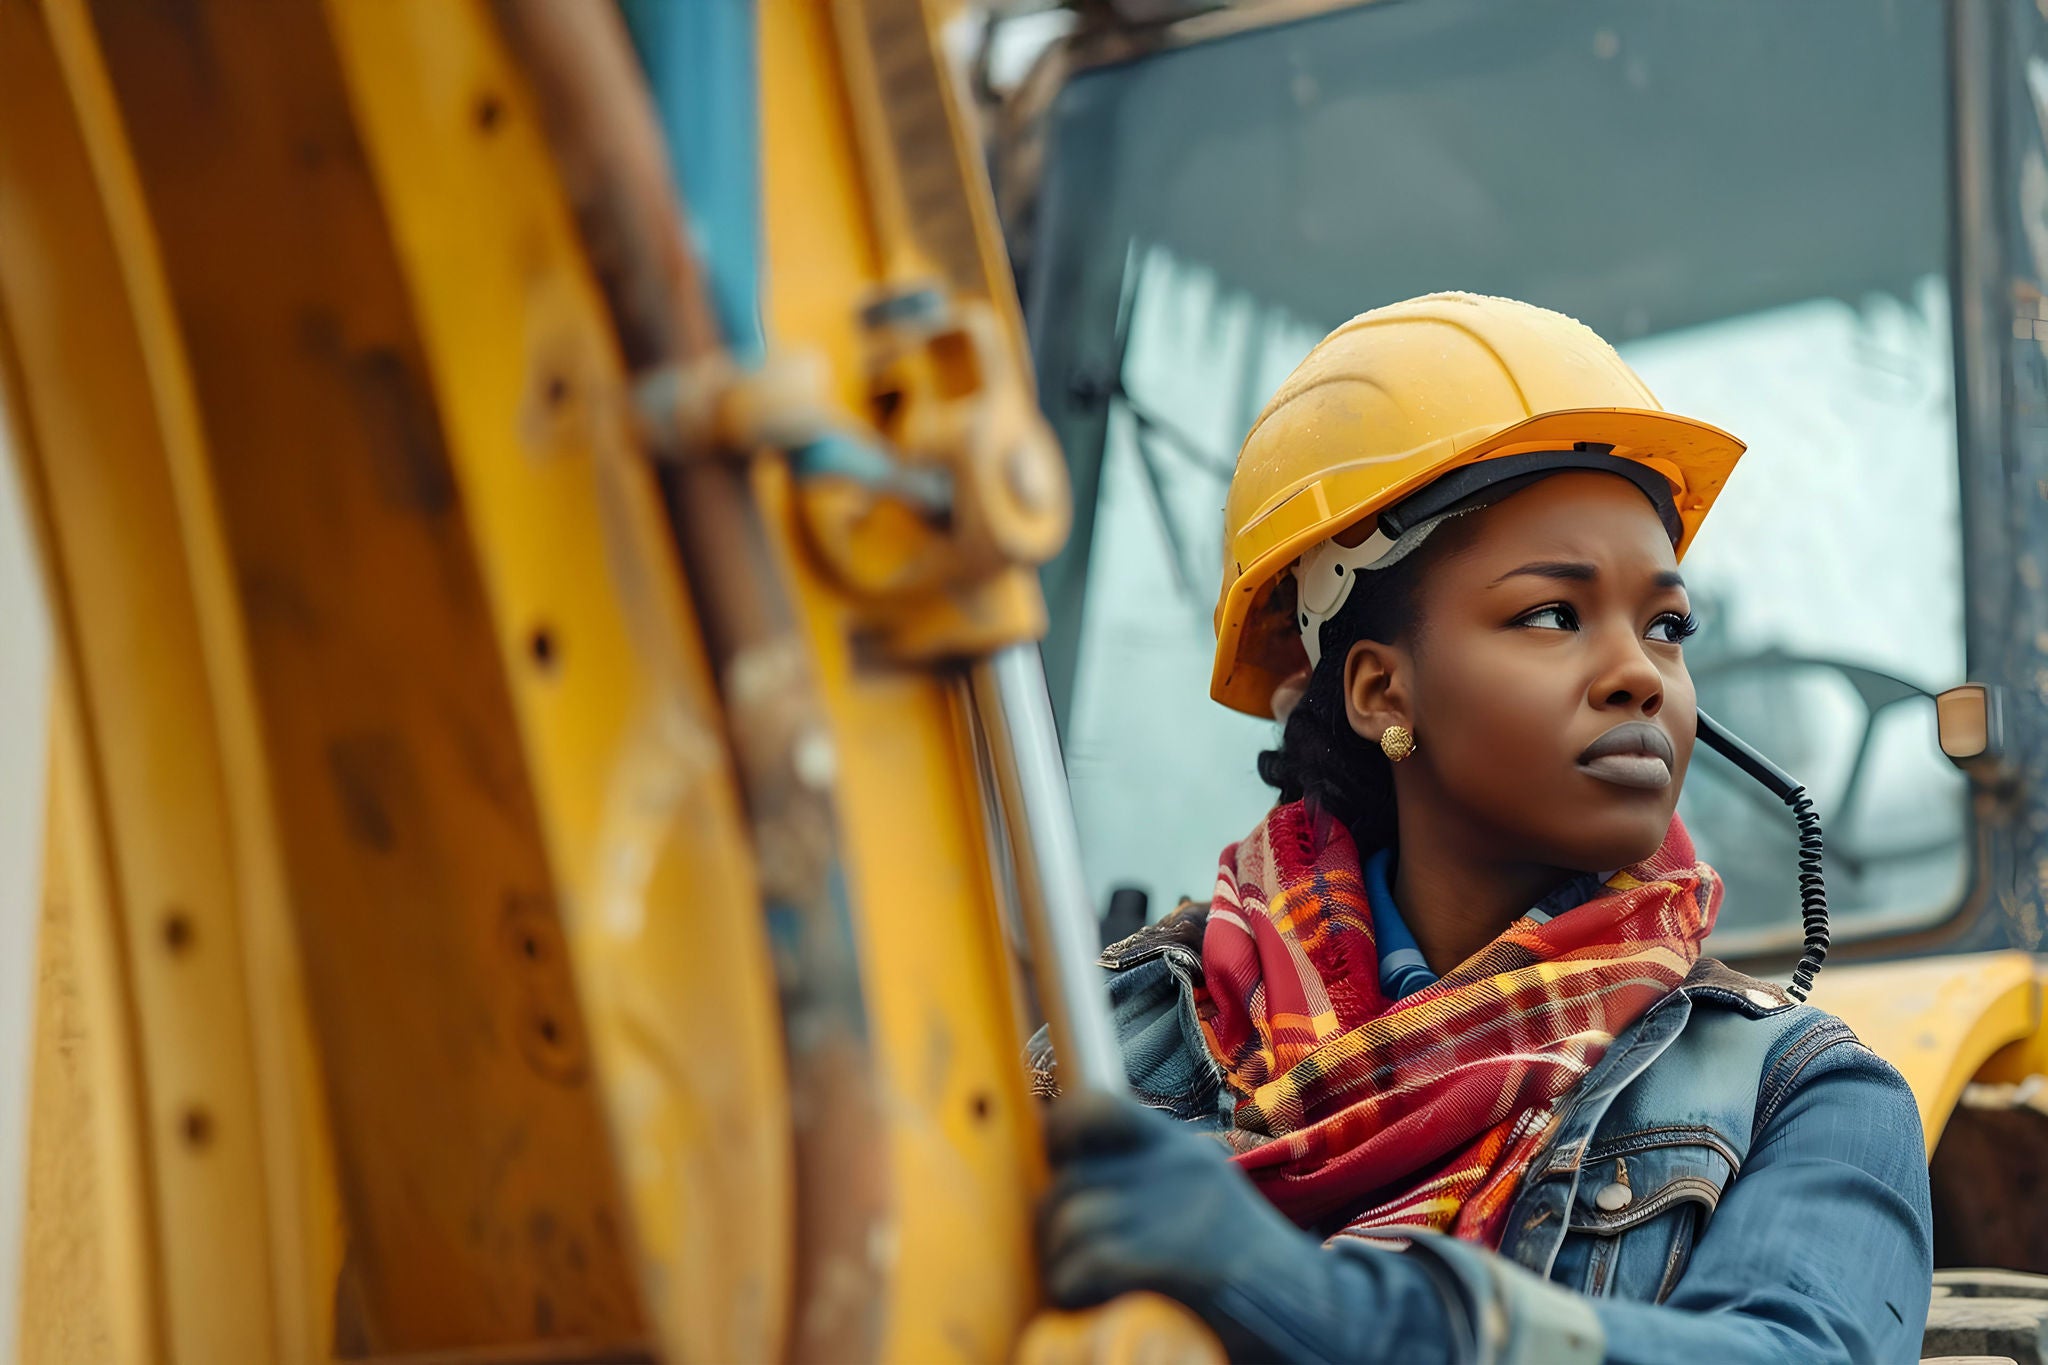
[(1813, 894), (1813, 890)]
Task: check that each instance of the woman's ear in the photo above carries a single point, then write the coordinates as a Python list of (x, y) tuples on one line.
[(1288, 695), (1375, 688)]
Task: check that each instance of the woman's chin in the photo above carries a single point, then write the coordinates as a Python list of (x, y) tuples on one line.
[(1609, 840)]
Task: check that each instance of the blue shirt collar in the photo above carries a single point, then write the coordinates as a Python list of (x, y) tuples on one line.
[(1403, 971), (1402, 968)]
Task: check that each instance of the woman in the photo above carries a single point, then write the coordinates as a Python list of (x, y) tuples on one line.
[(1480, 1095)]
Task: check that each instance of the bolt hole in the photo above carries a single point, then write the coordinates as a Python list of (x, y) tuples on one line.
[(982, 1107), (490, 112), (531, 947), (887, 404), (548, 1030), (556, 391), (541, 645), (196, 1126), (177, 931)]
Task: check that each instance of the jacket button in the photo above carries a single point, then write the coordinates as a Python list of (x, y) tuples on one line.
[(1613, 1198)]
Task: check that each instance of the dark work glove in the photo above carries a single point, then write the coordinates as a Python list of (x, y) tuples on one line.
[(1140, 1201)]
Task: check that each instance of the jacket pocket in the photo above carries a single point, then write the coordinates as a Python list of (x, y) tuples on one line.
[(1642, 1202)]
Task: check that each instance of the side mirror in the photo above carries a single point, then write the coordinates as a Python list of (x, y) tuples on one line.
[(1970, 720)]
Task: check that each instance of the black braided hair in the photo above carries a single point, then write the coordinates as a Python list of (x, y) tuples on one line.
[(1319, 754)]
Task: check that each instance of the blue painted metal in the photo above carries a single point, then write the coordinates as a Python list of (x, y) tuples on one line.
[(701, 59), (702, 65)]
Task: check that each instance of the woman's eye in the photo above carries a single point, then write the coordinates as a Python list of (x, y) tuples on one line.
[(1555, 617), (1674, 628)]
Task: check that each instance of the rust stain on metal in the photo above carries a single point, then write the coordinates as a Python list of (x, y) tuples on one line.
[(277, 601), (362, 767), (192, 29), (406, 445), (412, 460)]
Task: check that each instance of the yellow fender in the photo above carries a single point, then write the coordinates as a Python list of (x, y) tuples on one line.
[(1944, 1022)]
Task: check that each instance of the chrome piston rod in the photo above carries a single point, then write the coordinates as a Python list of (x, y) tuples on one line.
[(1015, 712)]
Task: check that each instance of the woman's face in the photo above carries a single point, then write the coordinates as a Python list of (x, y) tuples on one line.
[(1545, 680)]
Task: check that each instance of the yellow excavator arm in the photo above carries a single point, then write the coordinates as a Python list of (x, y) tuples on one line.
[(547, 808), (556, 837)]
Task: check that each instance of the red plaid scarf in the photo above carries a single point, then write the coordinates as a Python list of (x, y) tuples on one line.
[(1420, 1112)]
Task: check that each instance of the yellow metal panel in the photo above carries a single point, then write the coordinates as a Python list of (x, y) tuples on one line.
[(131, 408), (817, 240), (368, 737), (963, 1134), (1938, 1019), (182, 1162), (1133, 1329), (67, 1284), (2017, 1060), (2027, 1054), (618, 712)]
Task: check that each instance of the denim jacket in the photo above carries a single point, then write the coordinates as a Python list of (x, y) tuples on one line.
[(1737, 1180)]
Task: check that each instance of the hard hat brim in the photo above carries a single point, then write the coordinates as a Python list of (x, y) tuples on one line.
[(1253, 655)]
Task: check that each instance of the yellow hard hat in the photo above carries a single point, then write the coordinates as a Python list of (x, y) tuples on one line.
[(1398, 398)]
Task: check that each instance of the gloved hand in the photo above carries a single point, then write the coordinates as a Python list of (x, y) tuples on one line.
[(1139, 1201)]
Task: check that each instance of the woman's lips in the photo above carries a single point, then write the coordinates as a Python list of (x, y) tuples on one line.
[(1634, 754)]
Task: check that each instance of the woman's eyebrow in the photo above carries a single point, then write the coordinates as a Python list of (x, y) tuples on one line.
[(1564, 570), (1576, 571)]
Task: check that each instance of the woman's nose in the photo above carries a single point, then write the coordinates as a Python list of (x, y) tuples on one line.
[(1629, 679)]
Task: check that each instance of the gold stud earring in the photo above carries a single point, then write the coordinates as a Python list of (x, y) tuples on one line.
[(1397, 742)]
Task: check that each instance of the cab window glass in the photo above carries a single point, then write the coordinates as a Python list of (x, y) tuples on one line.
[(1755, 216)]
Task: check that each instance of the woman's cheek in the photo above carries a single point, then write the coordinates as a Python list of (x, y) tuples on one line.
[(1681, 722), (1501, 728)]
